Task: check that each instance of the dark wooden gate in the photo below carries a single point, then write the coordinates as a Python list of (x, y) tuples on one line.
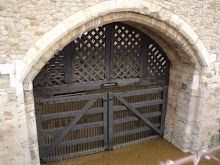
[(104, 90)]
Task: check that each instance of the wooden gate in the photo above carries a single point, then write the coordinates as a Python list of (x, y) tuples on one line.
[(104, 90)]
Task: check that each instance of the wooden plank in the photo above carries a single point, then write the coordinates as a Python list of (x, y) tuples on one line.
[(134, 131), (85, 86), (59, 138), (71, 155), (108, 44), (105, 120), (68, 52), (56, 100), (142, 59), (134, 118), (139, 92), (76, 127), (139, 104), (136, 141), (110, 121), (74, 142), (69, 114), (130, 107)]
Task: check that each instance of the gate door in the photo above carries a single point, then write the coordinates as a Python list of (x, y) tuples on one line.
[(71, 125), (104, 90), (136, 115)]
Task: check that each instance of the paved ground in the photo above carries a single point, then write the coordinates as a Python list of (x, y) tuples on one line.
[(148, 153)]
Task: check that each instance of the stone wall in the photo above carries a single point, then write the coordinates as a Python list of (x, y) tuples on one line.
[(193, 110)]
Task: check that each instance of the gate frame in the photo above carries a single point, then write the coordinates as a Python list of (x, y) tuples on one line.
[(108, 121)]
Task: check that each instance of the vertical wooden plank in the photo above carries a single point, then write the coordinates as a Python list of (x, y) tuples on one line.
[(105, 120), (68, 53), (108, 50), (164, 105), (142, 60), (110, 121)]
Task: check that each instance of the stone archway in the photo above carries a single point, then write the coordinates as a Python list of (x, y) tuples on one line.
[(146, 14)]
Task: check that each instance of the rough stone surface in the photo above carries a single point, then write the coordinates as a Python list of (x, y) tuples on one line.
[(188, 31)]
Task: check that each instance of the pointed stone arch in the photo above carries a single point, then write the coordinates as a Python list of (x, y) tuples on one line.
[(142, 12)]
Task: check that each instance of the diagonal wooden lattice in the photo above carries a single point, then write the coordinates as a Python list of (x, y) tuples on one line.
[(52, 73), (113, 51), (157, 63), (126, 52), (89, 56)]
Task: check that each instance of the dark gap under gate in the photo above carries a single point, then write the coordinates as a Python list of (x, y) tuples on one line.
[(104, 90)]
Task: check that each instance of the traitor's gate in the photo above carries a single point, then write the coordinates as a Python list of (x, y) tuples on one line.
[(104, 90)]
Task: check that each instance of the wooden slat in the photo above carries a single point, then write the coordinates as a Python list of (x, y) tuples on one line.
[(75, 142), (108, 49), (135, 131), (136, 141), (139, 92), (139, 104), (68, 53), (134, 118), (110, 121), (76, 127), (142, 57), (71, 155), (69, 114), (105, 120), (70, 98)]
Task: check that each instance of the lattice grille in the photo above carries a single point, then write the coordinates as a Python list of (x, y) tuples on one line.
[(129, 54), (52, 73), (157, 64), (126, 52), (89, 56)]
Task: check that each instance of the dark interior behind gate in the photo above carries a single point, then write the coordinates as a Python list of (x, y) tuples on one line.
[(104, 90)]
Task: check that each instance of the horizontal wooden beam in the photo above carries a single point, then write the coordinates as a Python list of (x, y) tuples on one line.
[(69, 114), (85, 86), (76, 127), (139, 92), (139, 104), (75, 142), (135, 118), (135, 131), (64, 99), (71, 155)]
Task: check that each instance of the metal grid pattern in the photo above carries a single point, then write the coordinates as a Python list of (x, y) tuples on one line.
[(52, 73), (89, 56), (125, 52)]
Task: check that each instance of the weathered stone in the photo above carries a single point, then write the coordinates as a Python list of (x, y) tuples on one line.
[(33, 31)]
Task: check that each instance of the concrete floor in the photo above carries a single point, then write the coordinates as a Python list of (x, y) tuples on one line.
[(148, 153)]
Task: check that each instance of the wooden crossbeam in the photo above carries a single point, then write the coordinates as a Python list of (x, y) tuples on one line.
[(138, 114)]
